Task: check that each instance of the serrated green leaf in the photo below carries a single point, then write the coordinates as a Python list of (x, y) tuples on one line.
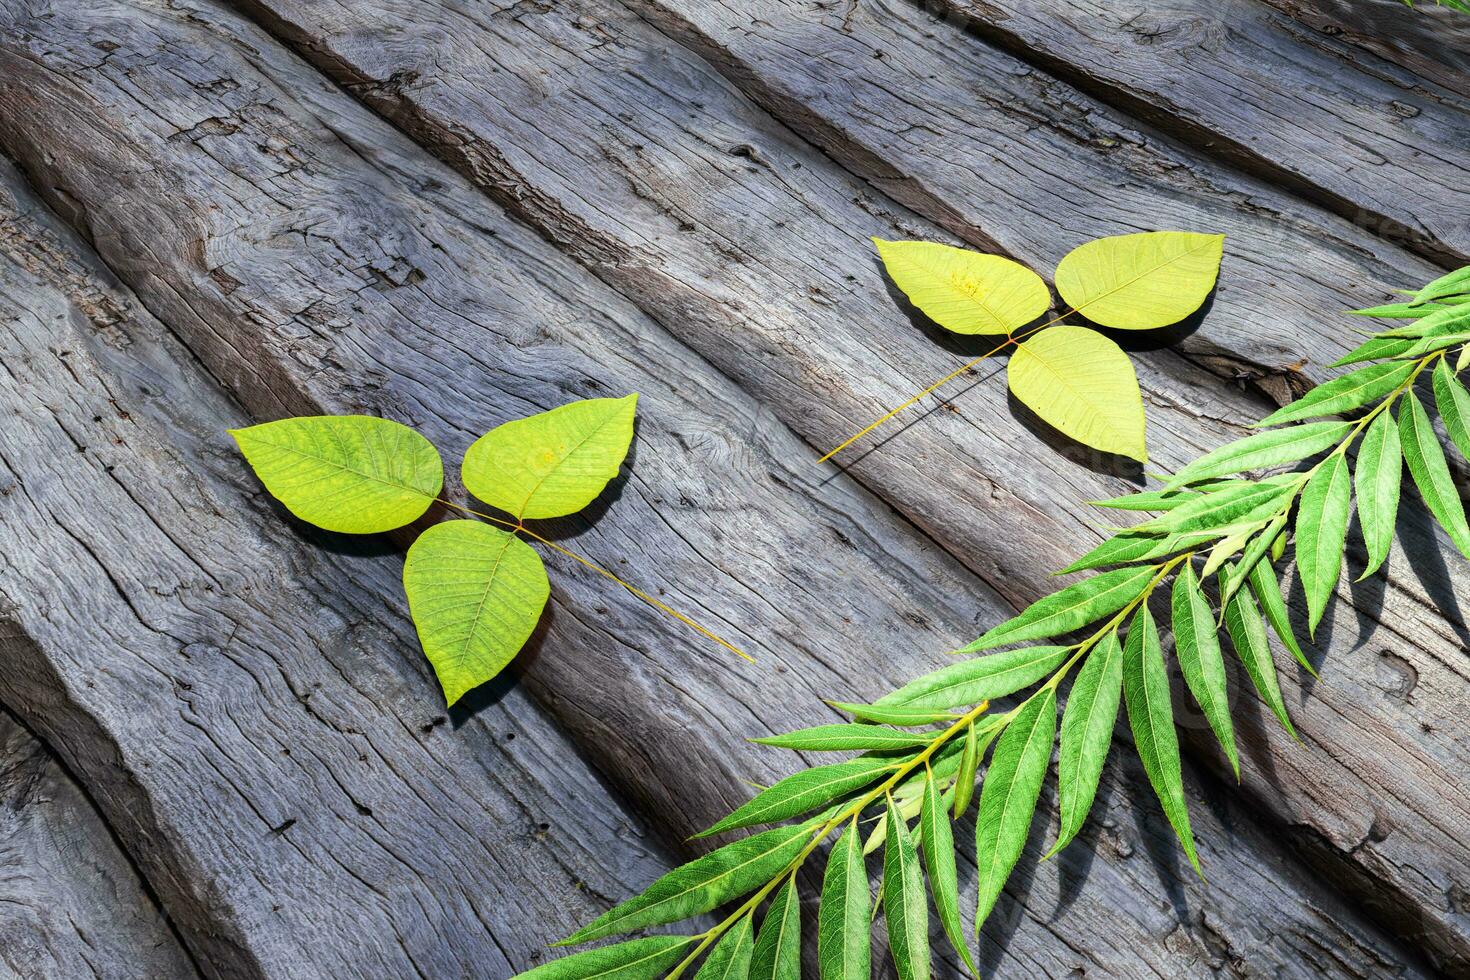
[(802, 791), (1453, 283), (839, 738), (1008, 796), (702, 884), (938, 838), (1083, 385), (1267, 590), (1343, 394), (1380, 467), (977, 740), (1072, 608), (1453, 402), (1437, 342), (1244, 504), (1151, 716), (1226, 548), (637, 959), (1264, 449), (894, 714), (475, 593), (1431, 474), (1253, 553), (350, 473), (1399, 311), (1197, 647), (979, 679), (730, 959), (1087, 732), (1124, 548), (967, 292), (1374, 349), (553, 463), (1148, 500), (1321, 534), (777, 954), (843, 947), (1248, 636), (905, 908), (1142, 281)]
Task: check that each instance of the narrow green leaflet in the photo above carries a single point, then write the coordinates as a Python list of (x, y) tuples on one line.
[(1345, 393), (730, 959), (476, 593), (1431, 474), (1270, 538), (350, 473), (1148, 500), (1072, 608), (637, 959), (803, 791), (1321, 534), (979, 679), (938, 838), (967, 292), (554, 463), (702, 884), (894, 714), (1151, 716), (1244, 504), (1008, 795), (964, 785), (1087, 731), (1083, 385), (1380, 468), (1399, 311), (843, 947), (1453, 402), (1451, 284), (1264, 449), (905, 906), (1374, 349), (777, 953), (1267, 590), (1248, 636), (1197, 647), (840, 738), (1141, 281)]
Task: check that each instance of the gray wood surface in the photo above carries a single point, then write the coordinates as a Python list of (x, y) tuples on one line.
[(671, 197)]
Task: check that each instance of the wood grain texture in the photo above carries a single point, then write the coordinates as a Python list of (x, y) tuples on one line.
[(247, 703), (590, 122)]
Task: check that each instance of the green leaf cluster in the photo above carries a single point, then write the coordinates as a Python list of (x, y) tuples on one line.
[(1221, 531)]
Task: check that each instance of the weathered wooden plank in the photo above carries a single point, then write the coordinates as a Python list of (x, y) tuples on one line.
[(623, 149), (836, 585), (249, 709), (70, 903)]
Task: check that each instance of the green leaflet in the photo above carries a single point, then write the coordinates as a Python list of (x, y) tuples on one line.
[(1008, 795), (702, 884), (637, 959), (1267, 590), (1148, 500), (1262, 450), (1248, 636), (1267, 539), (1151, 716), (1072, 608), (1243, 504), (554, 463), (1431, 474), (1083, 385), (1453, 402), (803, 791), (843, 948), (1141, 281), (476, 593), (905, 907), (1436, 342), (350, 473), (1343, 394), (977, 740), (777, 954), (1321, 534), (1087, 731), (839, 738), (894, 714), (730, 959), (1399, 311), (1374, 349), (1380, 467), (967, 292), (1197, 647), (978, 679), (938, 838), (1126, 547), (1451, 284)]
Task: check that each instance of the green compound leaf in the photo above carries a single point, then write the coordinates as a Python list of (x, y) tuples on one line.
[(1151, 716), (1072, 608), (1431, 474), (1248, 636), (938, 838), (1083, 385), (702, 884), (1377, 479), (1087, 731), (978, 679), (476, 593), (637, 959), (838, 738), (967, 292), (1197, 647), (1353, 390), (1265, 449), (1453, 402), (730, 959), (777, 953), (1142, 281), (1008, 795), (350, 473), (803, 791), (1321, 534), (905, 906), (843, 947), (554, 463)]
